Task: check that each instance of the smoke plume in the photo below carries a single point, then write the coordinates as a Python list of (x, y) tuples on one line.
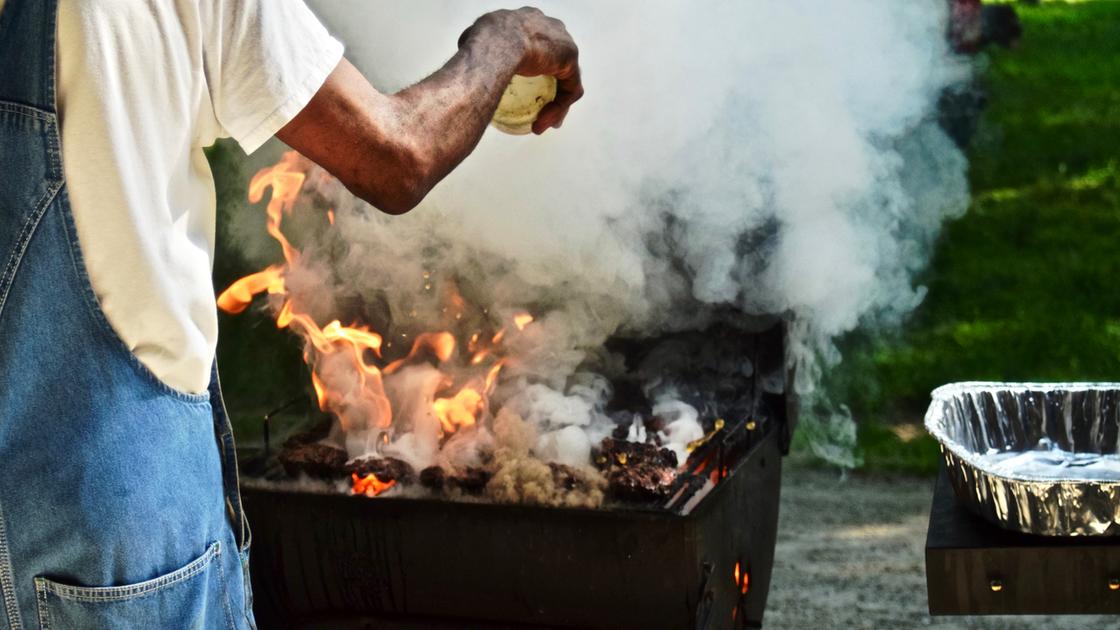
[(731, 158)]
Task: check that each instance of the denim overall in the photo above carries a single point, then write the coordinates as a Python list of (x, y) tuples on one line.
[(118, 495)]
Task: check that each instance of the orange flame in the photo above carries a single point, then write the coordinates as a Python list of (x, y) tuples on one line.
[(460, 411), (240, 294), (441, 345), (320, 391), (370, 485), (286, 180), (357, 390), (492, 375)]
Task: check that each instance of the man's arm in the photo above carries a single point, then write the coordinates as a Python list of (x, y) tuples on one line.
[(390, 150)]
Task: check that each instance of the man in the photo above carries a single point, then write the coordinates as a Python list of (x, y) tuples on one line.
[(118, 499)]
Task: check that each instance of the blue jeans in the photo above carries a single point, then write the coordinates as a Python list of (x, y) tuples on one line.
[(118, 495)]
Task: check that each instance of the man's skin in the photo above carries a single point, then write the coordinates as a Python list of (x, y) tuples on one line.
[(390, 150)]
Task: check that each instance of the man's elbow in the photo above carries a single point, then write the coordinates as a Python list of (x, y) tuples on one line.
[(408, 185), (397, 201)]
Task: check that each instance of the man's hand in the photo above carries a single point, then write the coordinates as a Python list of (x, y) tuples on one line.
[(548, 49), (392, 150)]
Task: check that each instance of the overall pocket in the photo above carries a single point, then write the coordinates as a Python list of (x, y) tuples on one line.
[(190, 597)]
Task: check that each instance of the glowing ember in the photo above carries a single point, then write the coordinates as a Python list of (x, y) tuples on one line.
[(521, 320), (742, 579), (492, 375), (370, 485)]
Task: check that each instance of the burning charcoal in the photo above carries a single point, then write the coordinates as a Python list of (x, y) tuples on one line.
[(644, 482), (385, 468), (614, 452), (433, 477), (315, 433), (317, 460)]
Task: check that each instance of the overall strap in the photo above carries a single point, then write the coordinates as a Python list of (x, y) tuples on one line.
[(27, 53)]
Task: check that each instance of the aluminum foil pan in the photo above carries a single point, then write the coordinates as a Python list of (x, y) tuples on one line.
[(1039, 458)]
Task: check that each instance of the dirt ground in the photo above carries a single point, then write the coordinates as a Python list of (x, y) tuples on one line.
[(851, 555)]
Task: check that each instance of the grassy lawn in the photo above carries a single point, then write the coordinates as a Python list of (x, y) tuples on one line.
[(1026, 286)]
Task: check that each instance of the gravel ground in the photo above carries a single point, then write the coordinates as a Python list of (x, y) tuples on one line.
[(851, 555)]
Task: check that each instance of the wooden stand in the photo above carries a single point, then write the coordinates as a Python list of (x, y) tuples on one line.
[(976, 568)]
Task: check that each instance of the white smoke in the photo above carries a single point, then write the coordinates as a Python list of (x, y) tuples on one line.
[(755, 156)]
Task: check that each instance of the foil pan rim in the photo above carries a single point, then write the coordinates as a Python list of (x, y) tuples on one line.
[(1018, 500), (967, 386), (972, 458)]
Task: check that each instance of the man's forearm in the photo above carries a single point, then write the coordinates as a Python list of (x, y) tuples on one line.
[(392, 149), (448, 112)]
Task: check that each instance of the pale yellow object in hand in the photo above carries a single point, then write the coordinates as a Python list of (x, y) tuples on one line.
[(522, 102)]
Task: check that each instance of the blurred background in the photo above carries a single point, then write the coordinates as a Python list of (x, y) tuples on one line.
[(1023, 287)]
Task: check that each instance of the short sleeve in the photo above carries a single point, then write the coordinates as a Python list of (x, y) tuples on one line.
[(264, 60)]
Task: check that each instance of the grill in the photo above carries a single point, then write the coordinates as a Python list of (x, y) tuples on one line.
[(700, 559)]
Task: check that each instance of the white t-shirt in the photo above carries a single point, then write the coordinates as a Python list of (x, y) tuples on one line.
[(143, 86)]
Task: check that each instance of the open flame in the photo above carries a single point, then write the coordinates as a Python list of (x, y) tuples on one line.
[(347, 369), (461, 410), (370, 485)]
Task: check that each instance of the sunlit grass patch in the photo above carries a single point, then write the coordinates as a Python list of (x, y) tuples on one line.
[(1026, 286)]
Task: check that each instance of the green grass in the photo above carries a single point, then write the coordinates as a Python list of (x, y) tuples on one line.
[(1026, 286)]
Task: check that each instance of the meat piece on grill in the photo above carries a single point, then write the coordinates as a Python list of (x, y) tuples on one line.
[(317, 460), (433, 477), (613, 452), (470, 480), (385, 468), (643, 482)]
